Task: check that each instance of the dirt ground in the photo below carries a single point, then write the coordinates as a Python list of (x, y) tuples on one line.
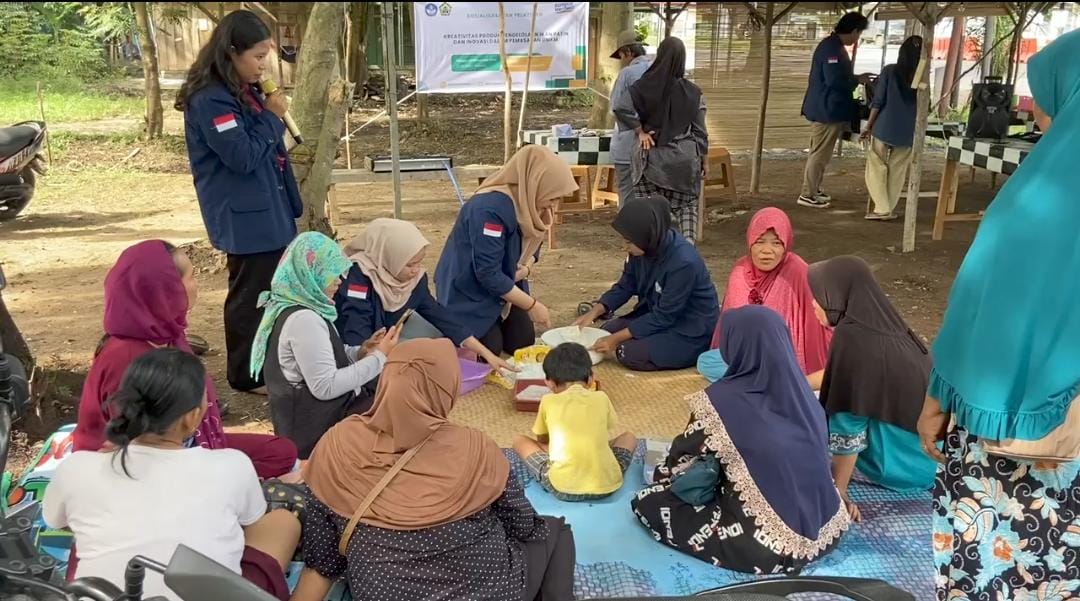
[(100, 200)]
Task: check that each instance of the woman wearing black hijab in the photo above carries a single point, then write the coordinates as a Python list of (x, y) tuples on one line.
[(668, 114), (677, 306), (874, 382)]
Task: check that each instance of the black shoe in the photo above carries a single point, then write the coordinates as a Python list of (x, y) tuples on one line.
[(198, 344)]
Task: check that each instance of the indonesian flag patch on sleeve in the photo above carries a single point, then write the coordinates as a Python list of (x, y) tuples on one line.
[(225, 122), (494, 230), (834, 60), (358, 291)]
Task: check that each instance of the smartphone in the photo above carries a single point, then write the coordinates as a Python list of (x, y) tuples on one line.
[(405, 317)]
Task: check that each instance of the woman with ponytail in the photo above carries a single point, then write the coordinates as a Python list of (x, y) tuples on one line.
[(148, 294), (152, 492)]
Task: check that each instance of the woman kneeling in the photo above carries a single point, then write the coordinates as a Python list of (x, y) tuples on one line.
[(747, 486), (677, 304), (152, 493)]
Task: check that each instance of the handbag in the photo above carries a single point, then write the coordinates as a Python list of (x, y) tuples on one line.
[(1062, 444), (696, 485), (346, 535)]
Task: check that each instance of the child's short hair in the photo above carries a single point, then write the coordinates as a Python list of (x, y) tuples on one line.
[(569, 362)]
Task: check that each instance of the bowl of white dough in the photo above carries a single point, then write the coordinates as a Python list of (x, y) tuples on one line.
[(586, 337)]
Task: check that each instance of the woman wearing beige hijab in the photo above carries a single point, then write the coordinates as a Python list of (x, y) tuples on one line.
[(433, 530), (483, 273), (386, 281)]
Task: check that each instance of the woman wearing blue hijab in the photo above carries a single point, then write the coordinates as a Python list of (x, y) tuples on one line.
[(1007, 366), (773, 507)]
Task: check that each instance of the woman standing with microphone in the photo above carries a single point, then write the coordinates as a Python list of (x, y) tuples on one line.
[(245, 185)]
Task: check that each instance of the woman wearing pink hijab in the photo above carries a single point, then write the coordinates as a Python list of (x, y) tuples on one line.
[(771, 275), (148, 293)]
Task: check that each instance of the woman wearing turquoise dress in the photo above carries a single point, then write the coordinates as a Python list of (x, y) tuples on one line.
[(874, 381), (1007, 366)]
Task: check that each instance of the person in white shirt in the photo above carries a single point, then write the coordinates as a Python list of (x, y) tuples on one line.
[(148, 492)]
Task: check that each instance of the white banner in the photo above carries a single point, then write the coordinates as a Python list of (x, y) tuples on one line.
[(457, 46)]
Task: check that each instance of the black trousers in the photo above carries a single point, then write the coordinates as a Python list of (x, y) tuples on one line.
[(510, 334), (549, 564), (249, 276)]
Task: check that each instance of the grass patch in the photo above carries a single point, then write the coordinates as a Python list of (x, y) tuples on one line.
[(65, 101)]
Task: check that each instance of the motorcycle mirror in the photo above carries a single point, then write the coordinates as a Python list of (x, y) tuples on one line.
[(195, 577)]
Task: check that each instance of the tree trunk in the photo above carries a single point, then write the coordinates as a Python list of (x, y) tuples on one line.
[(999, 61), (422, 109), (911, 205), (361, 14), (154, 118), (766, 75), (319, 111), (615, 18)]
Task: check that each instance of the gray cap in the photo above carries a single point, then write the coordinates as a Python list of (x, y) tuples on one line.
[(626, 38)]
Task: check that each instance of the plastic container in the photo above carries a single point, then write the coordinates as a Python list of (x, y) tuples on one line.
[(473, 375)]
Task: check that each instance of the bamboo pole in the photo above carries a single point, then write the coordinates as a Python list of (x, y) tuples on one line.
[(508, 97), (390, 70), (528, 72)]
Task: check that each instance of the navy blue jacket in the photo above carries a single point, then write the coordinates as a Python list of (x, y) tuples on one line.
[(677, 304), (832, 81), (361, 313), (248, 196), (479, 261)]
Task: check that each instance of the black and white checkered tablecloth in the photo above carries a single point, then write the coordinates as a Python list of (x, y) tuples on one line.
[(993, 155), (575, 150)]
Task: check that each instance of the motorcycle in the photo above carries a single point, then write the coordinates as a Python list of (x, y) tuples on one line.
[(21, 162), (28, 574)]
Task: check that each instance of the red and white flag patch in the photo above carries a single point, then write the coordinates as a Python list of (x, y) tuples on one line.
[(494, 230), (834, 59), (225, 122), (358, 291)]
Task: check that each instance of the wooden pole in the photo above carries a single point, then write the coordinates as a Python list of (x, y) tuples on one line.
[(952, 57), (528, 72), (884, 46), (348, 72), (911, 205), (766, 75), (508, 97), (41, 109), (988, 43), (390, 70)]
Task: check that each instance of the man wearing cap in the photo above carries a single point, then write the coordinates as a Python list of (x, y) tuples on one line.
[(631, 55)]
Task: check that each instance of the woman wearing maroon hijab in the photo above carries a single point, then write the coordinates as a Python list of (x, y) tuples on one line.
[(148, 293)]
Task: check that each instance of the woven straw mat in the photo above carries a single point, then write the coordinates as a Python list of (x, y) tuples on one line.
[(651, 405)]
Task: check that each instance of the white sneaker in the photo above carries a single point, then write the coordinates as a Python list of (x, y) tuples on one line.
[(814, 202), (823, 196)]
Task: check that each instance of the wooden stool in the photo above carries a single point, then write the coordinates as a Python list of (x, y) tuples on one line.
[(605, 194), (719, 171)]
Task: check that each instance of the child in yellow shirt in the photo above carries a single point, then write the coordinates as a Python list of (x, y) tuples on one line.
[(572, 457)]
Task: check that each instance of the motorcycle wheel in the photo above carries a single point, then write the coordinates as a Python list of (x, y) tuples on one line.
[(15, 196)]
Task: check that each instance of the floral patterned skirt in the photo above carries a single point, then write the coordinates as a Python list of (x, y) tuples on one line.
[(1005, 530)]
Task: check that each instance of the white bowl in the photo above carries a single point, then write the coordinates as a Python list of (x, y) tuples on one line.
[(583, 336)]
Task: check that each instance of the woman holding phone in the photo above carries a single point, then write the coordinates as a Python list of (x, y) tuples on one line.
[(243, 180), (314, 380), (388, 286)]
